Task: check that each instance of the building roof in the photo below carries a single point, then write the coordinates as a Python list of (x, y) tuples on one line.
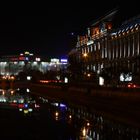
[(107, 17)]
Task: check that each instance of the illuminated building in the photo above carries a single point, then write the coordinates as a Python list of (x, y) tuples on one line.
[(109, 52), (12, 65)]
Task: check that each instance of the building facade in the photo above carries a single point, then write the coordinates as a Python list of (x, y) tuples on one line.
[(12, 65), (112, 54)]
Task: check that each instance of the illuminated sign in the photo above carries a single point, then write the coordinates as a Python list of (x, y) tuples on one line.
[(14, 59), (55, 60), (26, 53), (64, 60), (37, 59), (21, 58)]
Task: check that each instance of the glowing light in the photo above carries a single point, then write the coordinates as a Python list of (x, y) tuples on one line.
[(101, 81), (26, 52), (129, 86), (26, 58), (29, 78), (70, 116), (12, 92), (64, 60), (21, 101), (37, 106), (12, 77), (20, 109), (37, 59), (30, 109), (66, 80), (3, 92), (25, 105), (21, 58), (55, 104), (15, 101), (25, 111), (28, 90), (85, 54), (84, 132), (56, 114), (62, 105), (54, 60), (89, 42), (88, 124), (20, 105), (72, 33)]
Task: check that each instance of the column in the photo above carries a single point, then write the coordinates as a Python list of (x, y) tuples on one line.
[(138, 42)]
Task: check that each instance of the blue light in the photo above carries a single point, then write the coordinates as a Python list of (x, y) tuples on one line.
[(64, 60), (26, 58), (62, 105), (25, 105)]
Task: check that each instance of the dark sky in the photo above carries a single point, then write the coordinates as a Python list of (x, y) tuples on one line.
[(53, 32)]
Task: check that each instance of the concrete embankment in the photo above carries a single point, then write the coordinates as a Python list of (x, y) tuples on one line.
[(116, 104)]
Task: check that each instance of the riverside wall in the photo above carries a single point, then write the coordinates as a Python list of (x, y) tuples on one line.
[(118, 104)]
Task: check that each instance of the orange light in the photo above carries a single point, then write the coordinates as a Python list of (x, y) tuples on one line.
[(85, 54)]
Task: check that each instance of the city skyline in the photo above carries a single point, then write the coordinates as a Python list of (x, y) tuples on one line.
[(53, 34)]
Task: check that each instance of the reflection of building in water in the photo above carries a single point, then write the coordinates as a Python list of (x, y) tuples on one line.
[(109, 51), (12, 65)]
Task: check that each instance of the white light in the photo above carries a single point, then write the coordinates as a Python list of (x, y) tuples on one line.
[(21, 101), (113, 33), (30, 109), (64, 60), (121, 77), (101, 81), (66, 80), (55, 104), (35, 63), (125, 77), (89, 42), (20, 109), (29, 78), (37, 59), (54, 60), (15, 62), (14, 101), (28, 90)]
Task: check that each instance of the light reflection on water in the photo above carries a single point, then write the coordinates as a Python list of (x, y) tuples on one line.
[(92, 126), (86, 124)]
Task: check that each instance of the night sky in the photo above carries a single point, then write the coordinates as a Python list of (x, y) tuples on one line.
[(54, 32)]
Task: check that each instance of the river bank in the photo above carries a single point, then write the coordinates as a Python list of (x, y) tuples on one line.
[(119, 105)]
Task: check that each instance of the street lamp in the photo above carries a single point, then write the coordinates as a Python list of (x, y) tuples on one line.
[(85, 61), (85, 55)]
